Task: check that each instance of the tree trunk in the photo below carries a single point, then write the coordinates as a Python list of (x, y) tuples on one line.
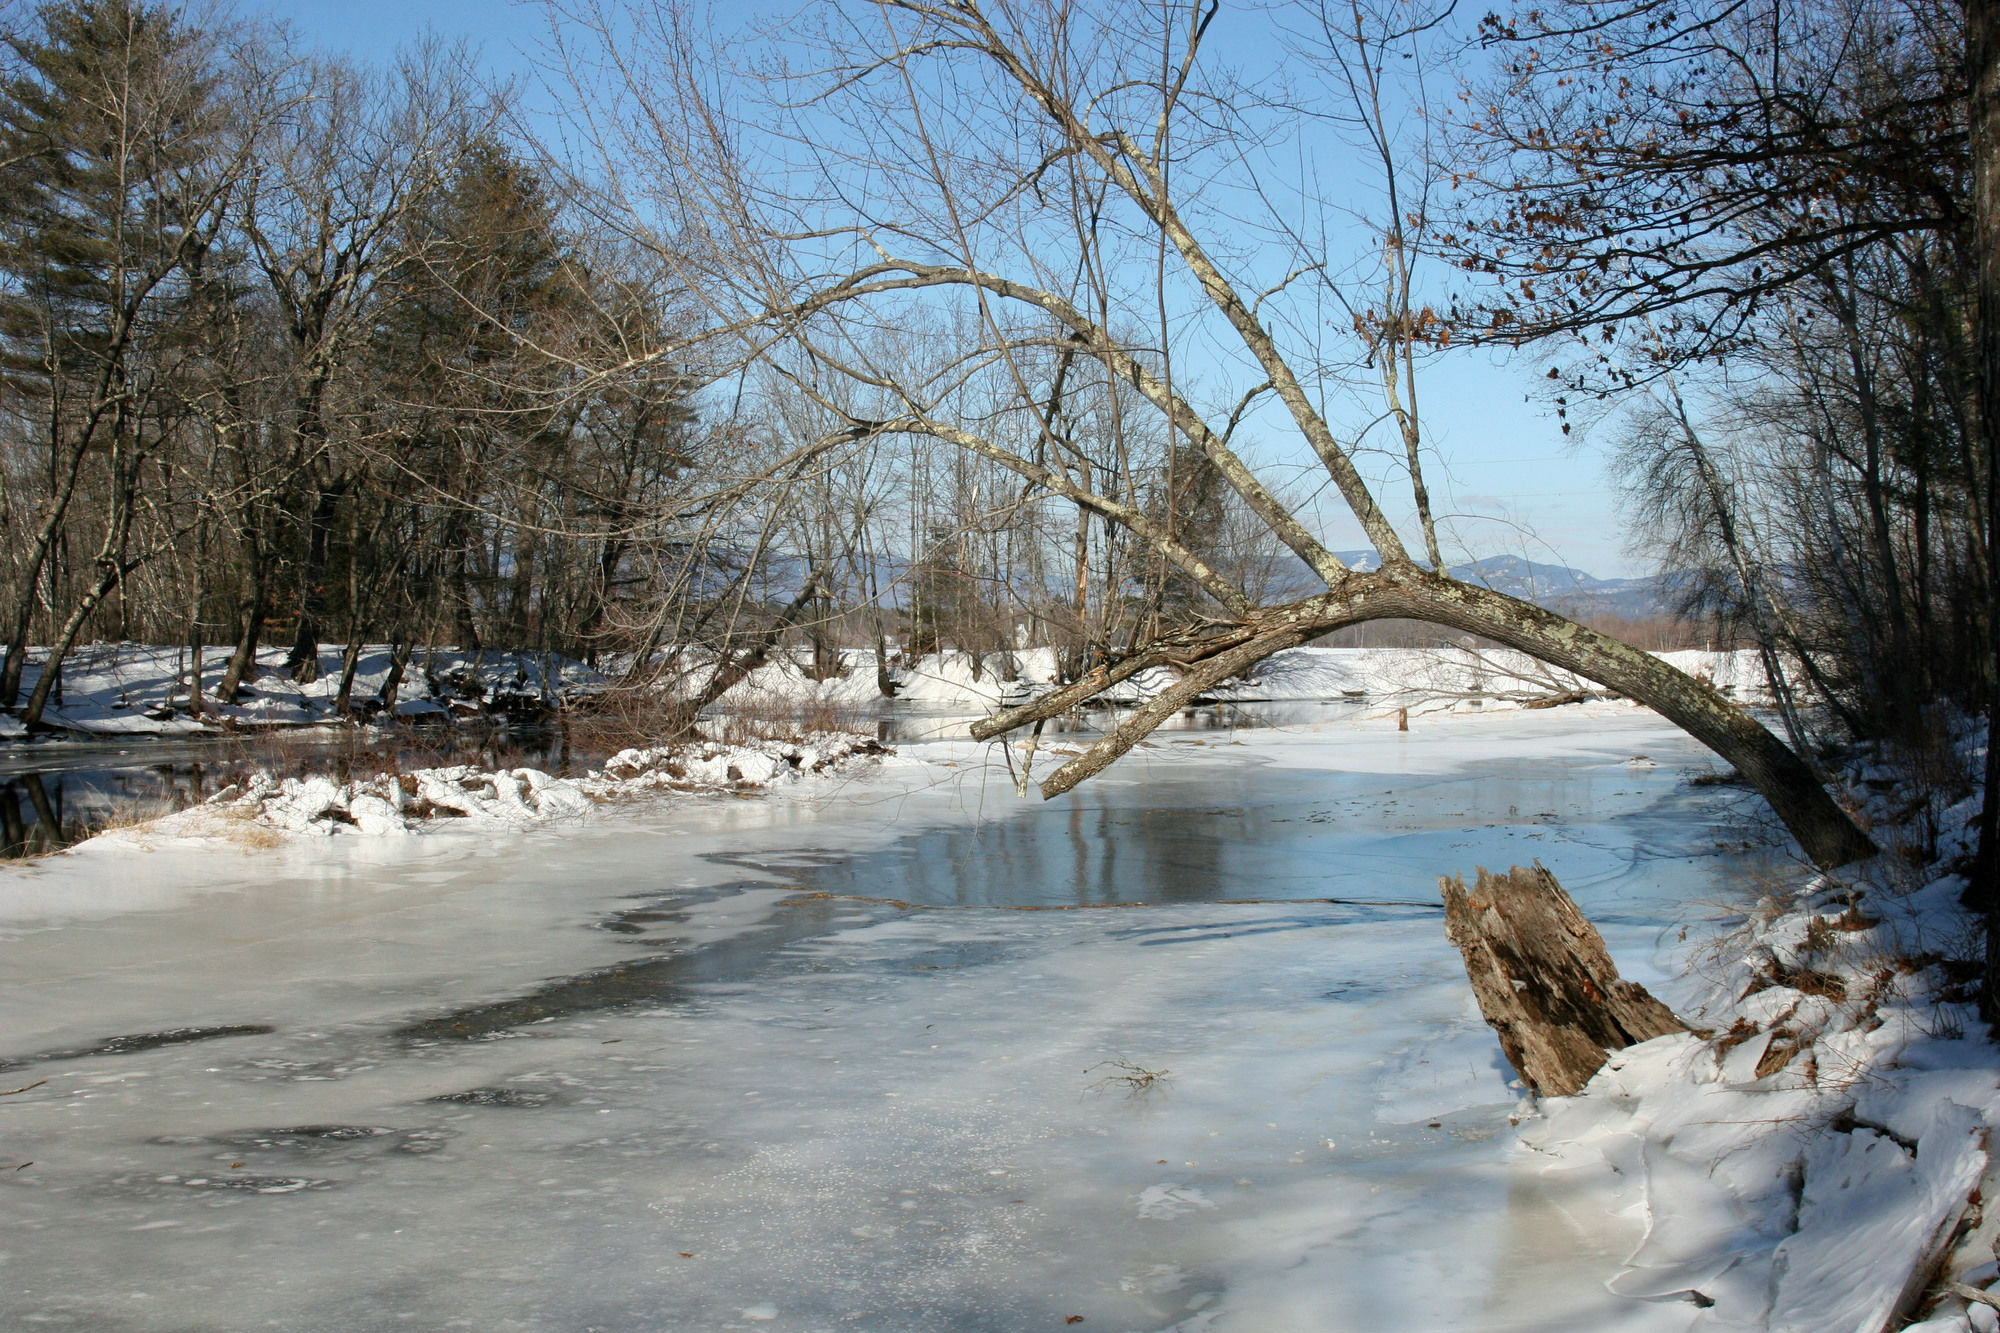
[(50, 681), (350, 661), (399, 659), (194, 635), (464, 628), (734, 669), (303, 660), (250, 628), (112, 568), (1825, 831), (1982, 69), (1543, 979), (53, 512)]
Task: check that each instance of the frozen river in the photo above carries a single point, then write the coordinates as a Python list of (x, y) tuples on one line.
[(809, 1063)]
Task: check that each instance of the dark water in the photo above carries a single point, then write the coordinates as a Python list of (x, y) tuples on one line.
[(1368, 841)]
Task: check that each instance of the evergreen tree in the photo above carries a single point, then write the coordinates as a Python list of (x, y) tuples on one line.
[(112, 189)]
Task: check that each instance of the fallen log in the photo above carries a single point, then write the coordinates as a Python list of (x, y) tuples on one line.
[(1543, 979)]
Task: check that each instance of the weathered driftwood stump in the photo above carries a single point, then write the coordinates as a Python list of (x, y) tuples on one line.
[(1543, 979)]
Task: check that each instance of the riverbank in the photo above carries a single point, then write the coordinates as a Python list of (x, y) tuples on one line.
[(129, 691)]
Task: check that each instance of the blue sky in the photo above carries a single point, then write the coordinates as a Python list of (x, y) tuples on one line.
[(375, 28), (1503, 463)]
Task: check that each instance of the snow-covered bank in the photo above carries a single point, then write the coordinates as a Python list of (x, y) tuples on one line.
[(127, 689), (392, 804), (135, 690), (1804, 1159)]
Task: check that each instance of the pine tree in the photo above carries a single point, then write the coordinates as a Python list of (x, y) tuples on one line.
[(109, 133)]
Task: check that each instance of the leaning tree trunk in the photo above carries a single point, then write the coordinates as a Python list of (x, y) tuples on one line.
[(732, 670), (1401, 590), (1825, 831), (110, 574)]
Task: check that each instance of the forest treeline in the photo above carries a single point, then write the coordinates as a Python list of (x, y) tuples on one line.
[(295, 351), (290, 355)]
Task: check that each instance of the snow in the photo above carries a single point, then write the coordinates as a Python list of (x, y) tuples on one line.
[(680, 1092), (1429, 678), (128, 690), (1806, 1164), (391, 805), (125, 689)]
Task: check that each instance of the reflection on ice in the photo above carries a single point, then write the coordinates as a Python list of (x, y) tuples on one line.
[(598, 1080)]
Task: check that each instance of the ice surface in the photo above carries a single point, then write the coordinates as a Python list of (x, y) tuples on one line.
[(640, 1074)]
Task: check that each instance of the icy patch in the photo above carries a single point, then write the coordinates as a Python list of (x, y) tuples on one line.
[(1167, 1200)]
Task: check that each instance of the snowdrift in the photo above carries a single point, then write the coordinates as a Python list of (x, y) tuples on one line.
[(399, 803), (1805, 1159)]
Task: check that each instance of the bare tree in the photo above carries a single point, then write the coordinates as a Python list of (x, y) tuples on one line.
[(1059, 177)]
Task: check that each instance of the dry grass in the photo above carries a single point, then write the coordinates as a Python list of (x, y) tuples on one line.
[(252, 835), (648, 718), (780, 722), (627, 718), (1847, 958)]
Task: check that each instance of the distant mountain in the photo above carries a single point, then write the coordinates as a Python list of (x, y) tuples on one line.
[(1557, 587)]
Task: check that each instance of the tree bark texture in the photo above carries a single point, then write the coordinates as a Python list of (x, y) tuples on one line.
[(1543, 979)]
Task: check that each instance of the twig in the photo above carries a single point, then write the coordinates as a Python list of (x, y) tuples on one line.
[(30, 1088), (1136, 1078)]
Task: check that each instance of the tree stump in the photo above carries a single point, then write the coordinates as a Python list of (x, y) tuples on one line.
[(1543, 979)]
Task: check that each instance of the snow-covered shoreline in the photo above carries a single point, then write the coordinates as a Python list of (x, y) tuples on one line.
[(396, 804), (133, 690), (1812, 1155)]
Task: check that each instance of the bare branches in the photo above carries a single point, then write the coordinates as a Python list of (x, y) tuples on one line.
[(1192, 684)]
